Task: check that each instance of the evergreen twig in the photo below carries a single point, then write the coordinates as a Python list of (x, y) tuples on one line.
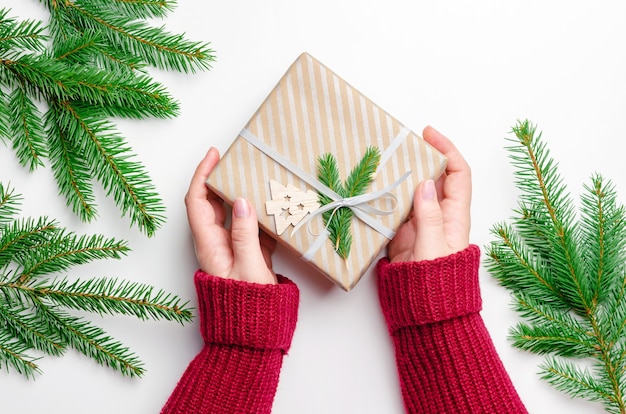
[(34, 303), (338, 221), (62, 82), (567, 275)]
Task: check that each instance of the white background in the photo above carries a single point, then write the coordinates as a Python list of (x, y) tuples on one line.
[(471, 69)]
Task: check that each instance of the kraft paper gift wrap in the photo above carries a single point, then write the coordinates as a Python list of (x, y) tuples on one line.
[(274, 163)]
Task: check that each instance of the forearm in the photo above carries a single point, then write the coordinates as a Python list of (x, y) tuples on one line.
[(247, 328), (452, 366), (446, 359)]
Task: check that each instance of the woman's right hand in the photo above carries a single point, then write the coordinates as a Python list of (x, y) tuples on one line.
[(439, 224), (238, 253)]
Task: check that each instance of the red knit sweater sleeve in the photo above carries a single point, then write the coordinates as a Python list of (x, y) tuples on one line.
[(247, 328), (446, 359)]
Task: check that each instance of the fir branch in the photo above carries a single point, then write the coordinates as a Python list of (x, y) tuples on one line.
[(568, 378), (32, 305), (19, 236), (603, 234), (91, 67), (541, 187), (5, 114), (27, 328), (362, 174), (94, 343), (124, 179), (27, 130), (567, 273), (71, 171), (25, 35), (552, 318), (89, 48), (142, 9), (13, 355), (517, 266), (9, 204), (112, 296), (153, 44), (338, 221), (66, 250)]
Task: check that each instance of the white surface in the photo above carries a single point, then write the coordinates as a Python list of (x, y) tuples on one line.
[(471, 69)]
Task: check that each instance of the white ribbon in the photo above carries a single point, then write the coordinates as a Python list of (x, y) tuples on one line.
[(358, 204)]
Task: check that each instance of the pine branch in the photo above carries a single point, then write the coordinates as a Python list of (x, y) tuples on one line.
[(543, 189), (362, 174), (112, 296), (517, 266), (64, 251), (567, 274), (9, 204), (20, 236), (153, 44), (5, 114), (24, 35), (71, 171), (32, 305), (13, 355), (94, 342), (338, 221), (551, 330), (603, 232), (568, 378), (90, 66), (124, 179), (142, 9), (27, 130), (27, 328)]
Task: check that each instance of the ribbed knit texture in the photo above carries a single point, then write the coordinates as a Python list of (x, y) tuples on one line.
[(247, 329), (446, 359)]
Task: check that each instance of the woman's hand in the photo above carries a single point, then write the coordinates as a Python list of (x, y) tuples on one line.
[(238, 253), (439, 224)]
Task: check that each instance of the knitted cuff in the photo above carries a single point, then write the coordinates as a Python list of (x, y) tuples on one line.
[(418, 293), (247, 314)]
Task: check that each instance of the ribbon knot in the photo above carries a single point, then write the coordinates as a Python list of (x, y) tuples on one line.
[(358, 204)]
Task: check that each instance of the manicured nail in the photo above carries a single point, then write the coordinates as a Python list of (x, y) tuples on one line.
[(241, 208), (428, 190)]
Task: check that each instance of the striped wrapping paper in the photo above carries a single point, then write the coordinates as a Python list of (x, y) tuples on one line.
[(312, 111)]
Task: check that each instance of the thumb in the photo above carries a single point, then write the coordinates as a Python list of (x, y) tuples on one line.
[(430, 241), (249, 264)]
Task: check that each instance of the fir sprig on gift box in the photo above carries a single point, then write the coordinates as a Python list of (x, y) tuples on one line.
[(338, 221), (567, 275), (38, 309), (62, 83)]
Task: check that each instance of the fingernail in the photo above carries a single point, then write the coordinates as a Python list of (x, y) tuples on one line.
[(428, 190), (241, 208), (209, 151)]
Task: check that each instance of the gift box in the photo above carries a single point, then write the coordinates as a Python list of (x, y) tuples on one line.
[(331, 175)]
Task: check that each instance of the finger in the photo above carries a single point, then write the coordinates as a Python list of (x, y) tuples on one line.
[(430, 240), (456, 182), (197, 187), (456, 162), (198, 194), (249, 262)]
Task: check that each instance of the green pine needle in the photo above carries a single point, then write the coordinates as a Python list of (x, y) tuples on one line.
[(339, 221), (567, 274), (27, 130), (83, 67), (34, 302)]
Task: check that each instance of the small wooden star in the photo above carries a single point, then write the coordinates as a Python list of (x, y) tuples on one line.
[(289, 205)]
